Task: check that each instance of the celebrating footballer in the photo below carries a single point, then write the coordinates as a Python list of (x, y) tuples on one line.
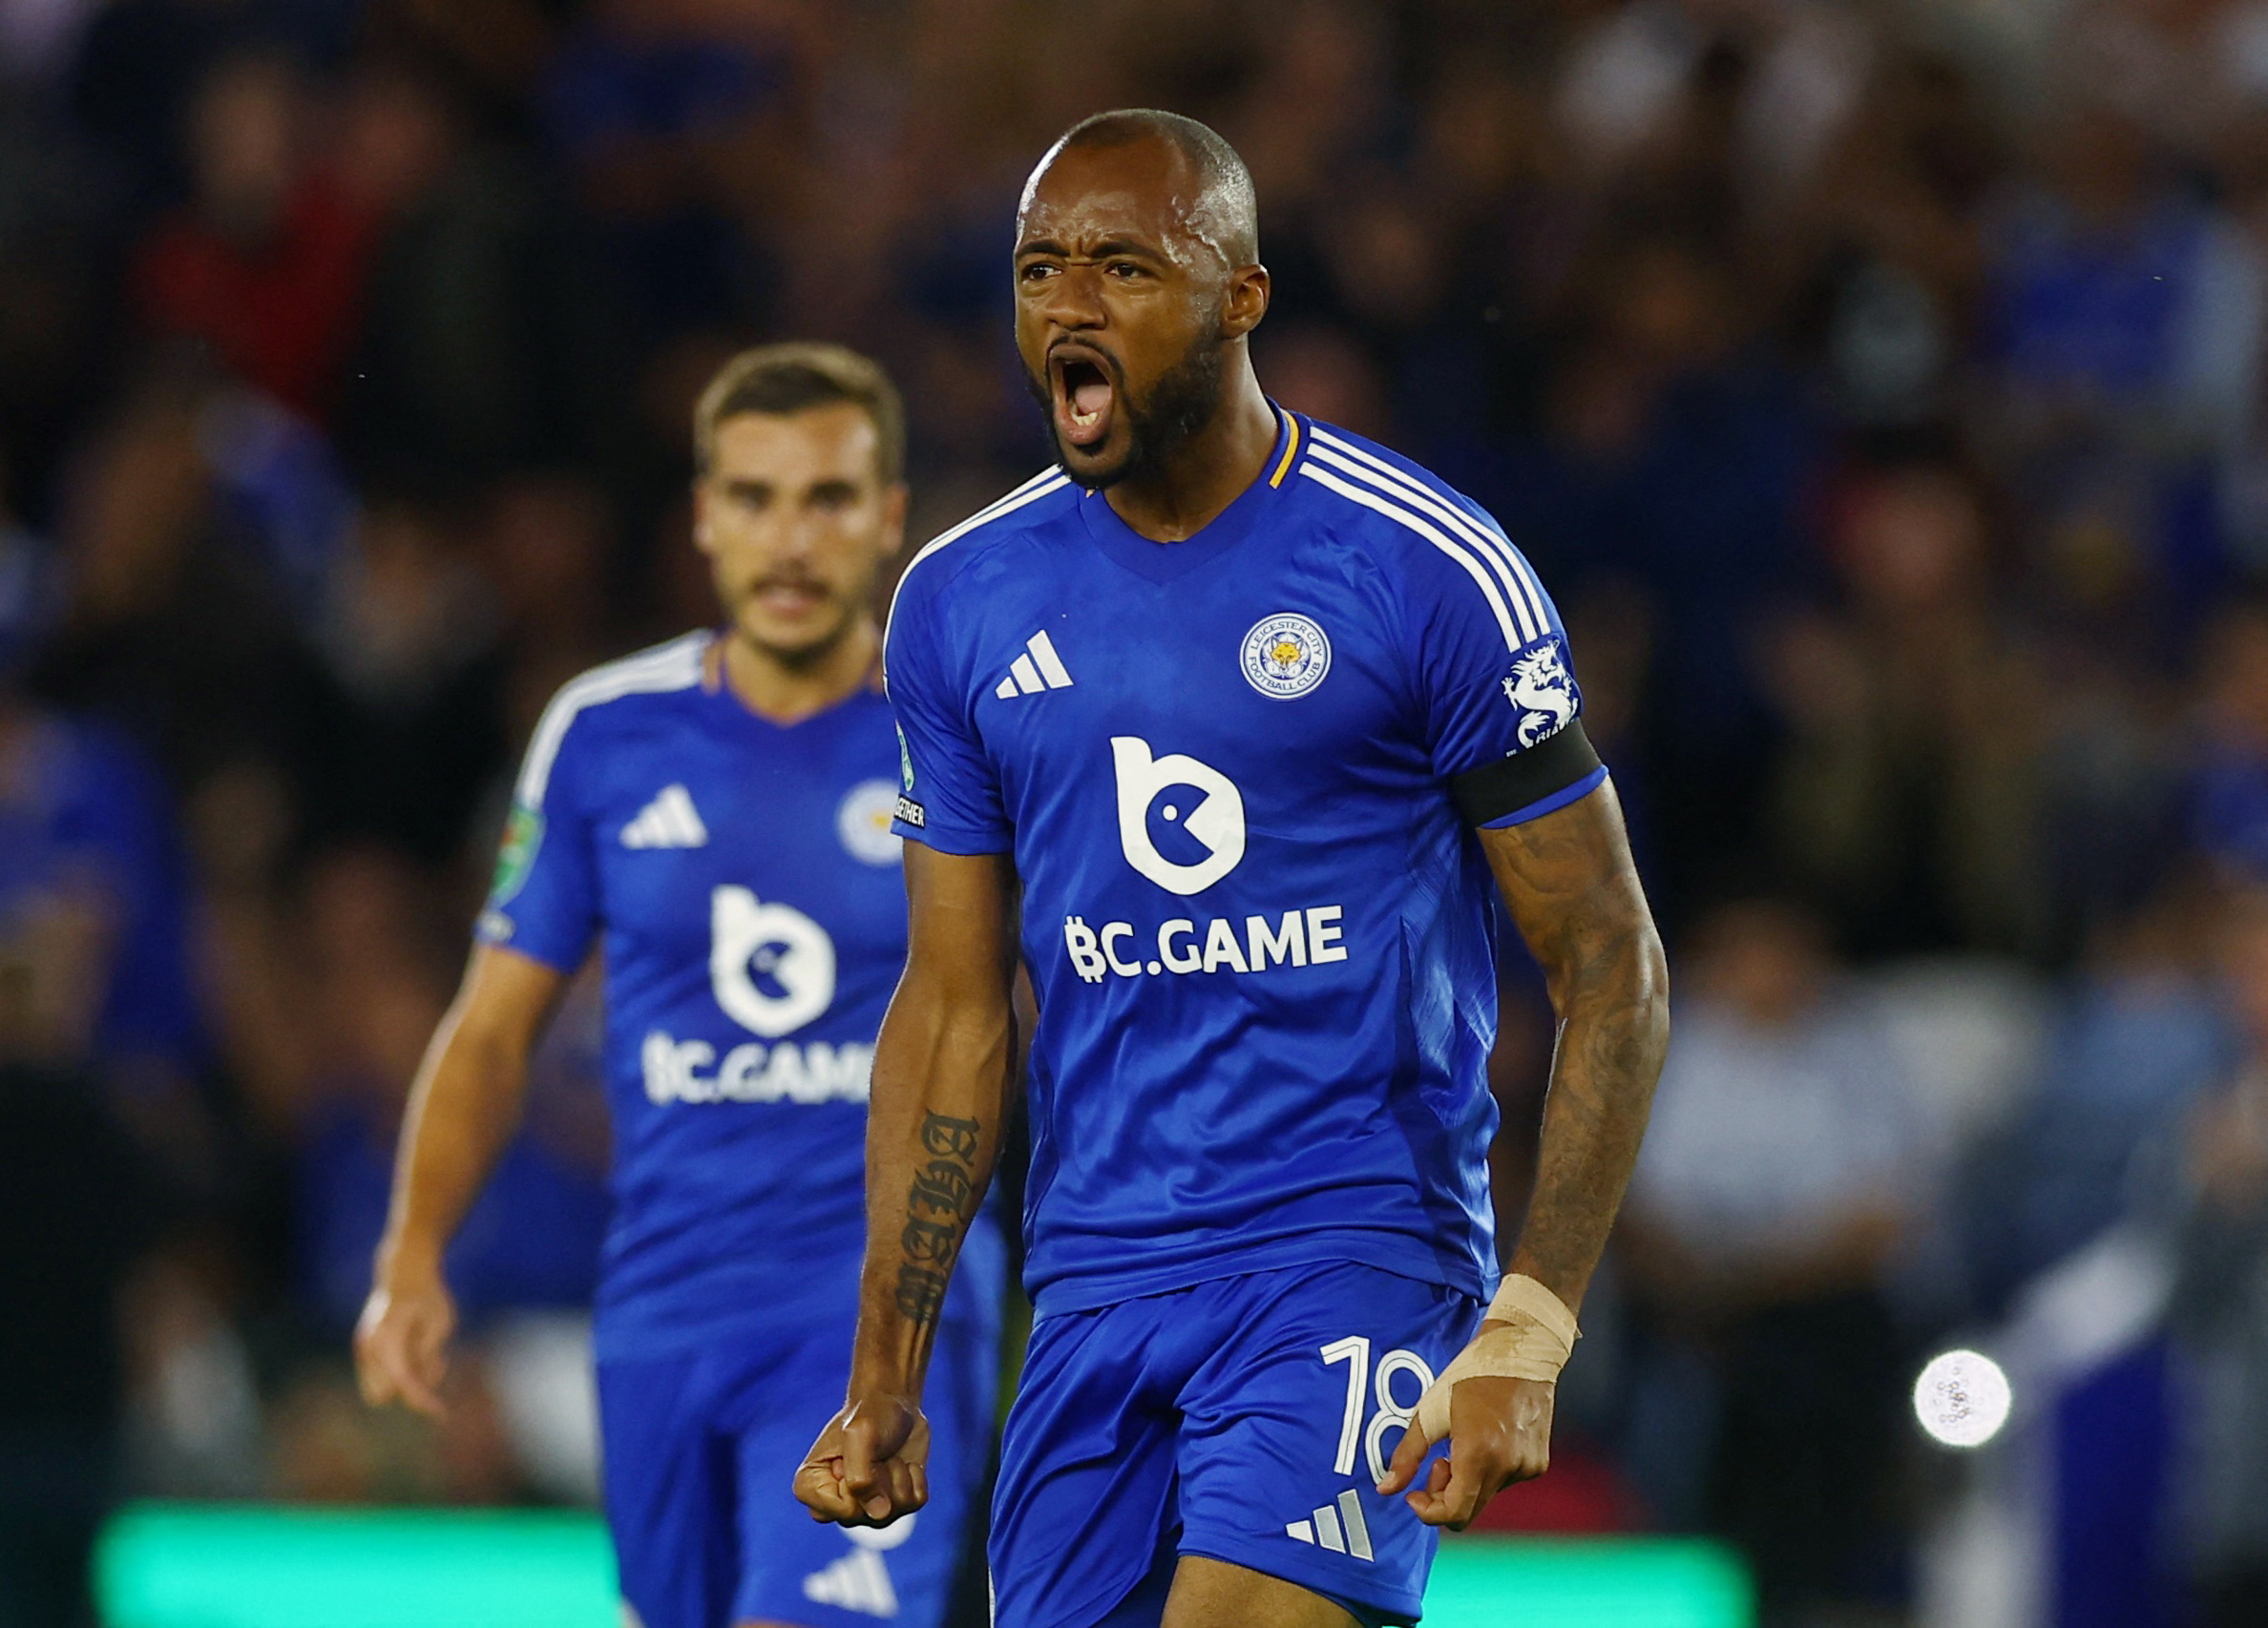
[(1234, 727)]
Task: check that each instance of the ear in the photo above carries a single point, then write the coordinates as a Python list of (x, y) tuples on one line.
[(701, 517), (1245, 300), (896, 501)]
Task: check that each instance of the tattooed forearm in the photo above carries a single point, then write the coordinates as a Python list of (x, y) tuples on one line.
[(1572, 888), (938, 1206), (1614, 1031)]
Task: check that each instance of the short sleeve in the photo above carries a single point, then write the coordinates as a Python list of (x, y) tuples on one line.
[(950, 794), (1503, 710), (544, 901)]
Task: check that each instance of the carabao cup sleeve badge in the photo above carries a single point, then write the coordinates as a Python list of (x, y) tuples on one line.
[(523, 835), (1285, 655)]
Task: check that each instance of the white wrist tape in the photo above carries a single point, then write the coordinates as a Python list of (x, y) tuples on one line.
[(1536, 1338)]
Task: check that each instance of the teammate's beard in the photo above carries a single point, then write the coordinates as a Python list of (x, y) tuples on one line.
[(1182, 401), (801, 658)]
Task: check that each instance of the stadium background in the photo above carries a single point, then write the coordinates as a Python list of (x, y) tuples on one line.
[(1879, 386)]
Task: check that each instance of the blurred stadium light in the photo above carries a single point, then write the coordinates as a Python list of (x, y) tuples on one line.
[(250, 1566)]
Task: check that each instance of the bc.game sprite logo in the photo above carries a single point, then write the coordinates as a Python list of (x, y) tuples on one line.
[(523, 835), (756, 950), (1213, 819)]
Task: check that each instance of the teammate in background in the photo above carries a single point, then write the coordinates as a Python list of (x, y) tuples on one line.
[(1235, 715), (715, 813)]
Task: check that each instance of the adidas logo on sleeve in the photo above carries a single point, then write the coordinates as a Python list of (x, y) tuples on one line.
[(1039, 668), (669, 821)]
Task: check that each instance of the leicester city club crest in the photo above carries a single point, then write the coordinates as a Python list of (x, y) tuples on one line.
[(1285, 655), (863, 822)]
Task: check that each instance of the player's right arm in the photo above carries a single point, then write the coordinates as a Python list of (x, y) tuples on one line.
[(944, 1070), (465, 1104), (463, 1108)]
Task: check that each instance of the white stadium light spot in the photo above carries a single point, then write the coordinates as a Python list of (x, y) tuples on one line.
[(1962, 1398)]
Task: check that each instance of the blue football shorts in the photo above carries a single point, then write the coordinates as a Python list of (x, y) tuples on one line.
[(1246, 1419), (701, 1446)]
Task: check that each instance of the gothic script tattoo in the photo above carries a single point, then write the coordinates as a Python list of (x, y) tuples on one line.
[(936, 1215)]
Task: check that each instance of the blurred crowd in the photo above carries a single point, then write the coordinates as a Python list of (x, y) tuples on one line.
[(1881, 388)]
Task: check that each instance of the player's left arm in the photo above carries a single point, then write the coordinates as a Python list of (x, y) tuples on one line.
[(1568, 880)]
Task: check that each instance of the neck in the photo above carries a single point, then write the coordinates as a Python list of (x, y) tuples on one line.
[(1185, 490), (788, 692)]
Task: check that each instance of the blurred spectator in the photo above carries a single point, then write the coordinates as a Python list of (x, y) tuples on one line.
[(377, 990), (92, 912), (2230, 795), (92, 986), (2117, 296), (1783, 1166), (1907, 795), (2136, 1039), (266, 261), (647, 105), (136, 66), (173, 630), (409, 637), (489, 339), (93, 948), (2221, 1316), (93, 998), (192, 1424), (79, 1206), (2124, 325)]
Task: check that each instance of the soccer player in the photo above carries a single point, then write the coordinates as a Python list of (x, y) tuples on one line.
[(1231, 721), (715, 814)]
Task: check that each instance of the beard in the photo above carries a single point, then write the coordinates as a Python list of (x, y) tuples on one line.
[(1183, 399), (806, 649)]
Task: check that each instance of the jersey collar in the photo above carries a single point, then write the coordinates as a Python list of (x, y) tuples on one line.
[(1163, 562)]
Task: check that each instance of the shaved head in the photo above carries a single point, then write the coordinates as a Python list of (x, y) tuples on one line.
[(1220, 208)]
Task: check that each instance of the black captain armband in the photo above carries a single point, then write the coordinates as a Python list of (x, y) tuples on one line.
[(1526, 779)]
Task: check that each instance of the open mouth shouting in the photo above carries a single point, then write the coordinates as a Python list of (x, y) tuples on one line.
[(1084, 386)]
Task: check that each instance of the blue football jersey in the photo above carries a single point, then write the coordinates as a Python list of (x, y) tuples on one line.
[(747, 892), (1234, 774)]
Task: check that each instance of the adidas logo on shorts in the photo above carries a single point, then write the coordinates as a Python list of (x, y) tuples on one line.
[(1337, 1527), (858, 1581)]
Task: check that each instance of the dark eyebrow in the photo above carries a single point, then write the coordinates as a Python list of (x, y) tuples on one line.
[(1127, 246)]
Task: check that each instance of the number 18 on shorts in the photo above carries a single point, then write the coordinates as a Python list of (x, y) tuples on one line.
[(1248, 1420)]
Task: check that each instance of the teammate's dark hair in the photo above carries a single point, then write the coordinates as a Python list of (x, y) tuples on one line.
[(1226, 205), (783, 379)]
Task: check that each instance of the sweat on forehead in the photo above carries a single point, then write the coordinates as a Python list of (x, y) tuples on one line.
[(1223, 212)]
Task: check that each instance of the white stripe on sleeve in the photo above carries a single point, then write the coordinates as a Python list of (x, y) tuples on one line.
[(1370, 498)]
